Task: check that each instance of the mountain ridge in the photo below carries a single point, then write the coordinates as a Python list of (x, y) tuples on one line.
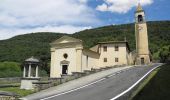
[(36, 44)]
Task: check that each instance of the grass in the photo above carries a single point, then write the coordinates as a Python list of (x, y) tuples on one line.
[(17, 90), (158, 87)]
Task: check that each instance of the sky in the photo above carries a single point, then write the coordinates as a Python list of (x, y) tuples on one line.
[(69, 16)]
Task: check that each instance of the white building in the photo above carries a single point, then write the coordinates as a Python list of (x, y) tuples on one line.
[(68, 55)]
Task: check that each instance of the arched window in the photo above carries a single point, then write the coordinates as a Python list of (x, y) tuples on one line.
[(140, 18)]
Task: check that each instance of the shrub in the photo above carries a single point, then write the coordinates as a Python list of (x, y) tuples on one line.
[(10, 69)]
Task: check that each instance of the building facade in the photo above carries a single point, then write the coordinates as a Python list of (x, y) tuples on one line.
[(68, 54)]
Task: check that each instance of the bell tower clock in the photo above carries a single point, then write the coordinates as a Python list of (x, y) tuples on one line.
[(142, 48)]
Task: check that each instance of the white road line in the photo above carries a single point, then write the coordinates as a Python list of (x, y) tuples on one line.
[(84, 85), (81, 86), (121, 94), (73, 89), (111, 75)]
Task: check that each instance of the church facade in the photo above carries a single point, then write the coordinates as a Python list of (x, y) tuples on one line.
[(68, 54)]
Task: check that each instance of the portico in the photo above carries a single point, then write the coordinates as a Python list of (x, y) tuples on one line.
[(30, 69), (30, 73)]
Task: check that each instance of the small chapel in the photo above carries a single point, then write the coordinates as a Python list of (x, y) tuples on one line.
[(68, 54)]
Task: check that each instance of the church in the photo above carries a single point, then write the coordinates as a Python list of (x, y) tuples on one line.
[(68, 54)]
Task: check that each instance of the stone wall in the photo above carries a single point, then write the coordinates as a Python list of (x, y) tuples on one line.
[(8, 96), (11, 79)]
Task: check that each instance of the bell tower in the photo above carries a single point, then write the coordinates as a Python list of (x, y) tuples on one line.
[(141, 33)]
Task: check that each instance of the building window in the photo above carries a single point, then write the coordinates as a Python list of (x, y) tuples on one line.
[(116, 59), (105, 59), (140, 18), (105, 48), (116, 48), (65, 55)]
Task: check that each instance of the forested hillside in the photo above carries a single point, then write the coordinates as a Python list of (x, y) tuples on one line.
[(21, 47)]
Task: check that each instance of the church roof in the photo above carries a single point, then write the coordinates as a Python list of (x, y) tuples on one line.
[(139, 8), (32, 59), (95, 48), (115, 42), (65, 39)]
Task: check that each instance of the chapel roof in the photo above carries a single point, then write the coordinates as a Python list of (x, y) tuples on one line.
[(65, 39), (32, 59)]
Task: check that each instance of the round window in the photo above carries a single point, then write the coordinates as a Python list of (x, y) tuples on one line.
[(65, 56)]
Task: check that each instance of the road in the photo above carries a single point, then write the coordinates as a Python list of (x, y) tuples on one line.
[(108, 88)]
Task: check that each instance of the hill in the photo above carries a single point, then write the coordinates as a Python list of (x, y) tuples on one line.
[(21, 47)]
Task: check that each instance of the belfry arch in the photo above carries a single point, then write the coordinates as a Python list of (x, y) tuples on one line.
[(140, 18)]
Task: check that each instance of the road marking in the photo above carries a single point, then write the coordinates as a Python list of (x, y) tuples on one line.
[(74, 89), (115, 73), (124, 92), (111, 75)]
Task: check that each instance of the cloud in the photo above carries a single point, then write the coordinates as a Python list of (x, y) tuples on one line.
[(38, 14), (6, 33), (121, 6)]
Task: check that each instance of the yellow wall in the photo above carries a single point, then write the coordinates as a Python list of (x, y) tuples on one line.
[(57, 57), (142, 47), (111, 54), (92, 59), (77, 56)]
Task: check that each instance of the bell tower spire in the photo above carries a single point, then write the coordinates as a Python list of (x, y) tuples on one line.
[(139, 8), (142, 47)]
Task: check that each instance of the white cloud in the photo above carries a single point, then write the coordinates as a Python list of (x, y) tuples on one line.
[(33, 14), (5, 33), (83, 1), (102, 7), (121, 6)]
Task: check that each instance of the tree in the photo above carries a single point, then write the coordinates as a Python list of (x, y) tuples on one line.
[(164, 53)]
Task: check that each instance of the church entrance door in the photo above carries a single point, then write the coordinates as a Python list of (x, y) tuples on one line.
[(142, 61), (64, 69)]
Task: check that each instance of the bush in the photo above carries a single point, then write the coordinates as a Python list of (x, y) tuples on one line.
[(10, 69)]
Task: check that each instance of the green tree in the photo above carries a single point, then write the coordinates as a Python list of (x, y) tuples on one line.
[(164, 53), (10, 69)]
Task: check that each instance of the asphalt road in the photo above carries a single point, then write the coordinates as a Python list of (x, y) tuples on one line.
[(107, 88)]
